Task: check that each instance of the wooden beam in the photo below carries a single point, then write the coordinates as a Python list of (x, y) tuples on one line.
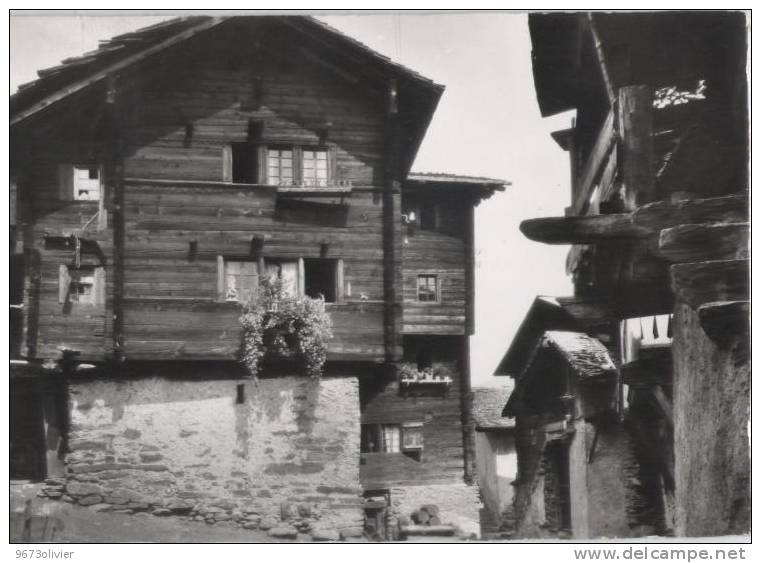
[(586, 229), (635, 125), (698, 283), (722, 320), (664, 214), (593, 168), (112, 69), (609, 90), (690, 243)]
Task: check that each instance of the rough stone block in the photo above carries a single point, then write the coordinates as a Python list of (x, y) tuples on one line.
[(150, 457), (325, 534), (266, 524), (162, 512), (77, 489), (354, 532), (89, 500), (283, 533), (132, 433)]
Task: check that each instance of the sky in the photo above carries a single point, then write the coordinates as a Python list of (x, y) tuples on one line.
[(487, 124)]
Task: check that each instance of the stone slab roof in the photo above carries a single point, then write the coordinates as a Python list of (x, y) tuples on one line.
[(488, 403), (587, 356)]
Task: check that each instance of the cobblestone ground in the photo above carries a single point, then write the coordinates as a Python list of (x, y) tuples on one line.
[(59, 522)]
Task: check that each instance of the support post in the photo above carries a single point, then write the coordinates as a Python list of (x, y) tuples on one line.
[(392, 278), (635, 126)]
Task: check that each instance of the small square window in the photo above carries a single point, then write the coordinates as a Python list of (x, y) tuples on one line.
[(427, 288), (83, 285), (86, 183), (412, 436)]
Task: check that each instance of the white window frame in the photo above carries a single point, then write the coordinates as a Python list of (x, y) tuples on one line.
[(437, 281)]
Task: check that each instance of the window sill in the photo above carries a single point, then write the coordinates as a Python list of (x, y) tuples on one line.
[(314, 191)]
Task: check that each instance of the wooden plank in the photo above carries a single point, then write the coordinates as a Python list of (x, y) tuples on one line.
[(692, 243), (663, 214), (586, 229), (635, 118), (697, 283)]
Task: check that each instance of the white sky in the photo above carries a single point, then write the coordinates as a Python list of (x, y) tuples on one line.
[(487, 124)]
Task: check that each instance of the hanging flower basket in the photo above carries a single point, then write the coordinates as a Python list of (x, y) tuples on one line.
[(278, 325)]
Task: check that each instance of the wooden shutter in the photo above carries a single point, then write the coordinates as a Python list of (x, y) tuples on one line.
[(220, 278), (300, 277), (65, 182), (64, 281), (261, 162), (339, 280), (332, 168), (227, 164), (99, 283)]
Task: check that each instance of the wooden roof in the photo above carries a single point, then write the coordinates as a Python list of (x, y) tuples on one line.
[(656, 48), (550, 313), (418, 95), (477, 185)]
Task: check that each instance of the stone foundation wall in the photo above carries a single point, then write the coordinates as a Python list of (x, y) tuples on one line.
[(286, 456), (711, 447), (458, 505)]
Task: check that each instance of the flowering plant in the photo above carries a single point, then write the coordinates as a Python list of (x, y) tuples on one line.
[(286, 325)]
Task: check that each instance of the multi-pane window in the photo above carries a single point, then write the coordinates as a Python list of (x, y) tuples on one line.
[(391, 437), (241, 280), (427, 288), (279, 166), (314, 166)]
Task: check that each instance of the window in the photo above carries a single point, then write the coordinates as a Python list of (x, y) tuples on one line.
[(280, 166), (81, 183), (427, 288), (428, 216), (392, 438), (287, 271), (241, 280), (314, 167), (412, 436), (84, 285), (244, 163), (323, 277)]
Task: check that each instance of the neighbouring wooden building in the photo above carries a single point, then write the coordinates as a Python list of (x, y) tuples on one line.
[(659, 225), (496, 460), (153, 181)]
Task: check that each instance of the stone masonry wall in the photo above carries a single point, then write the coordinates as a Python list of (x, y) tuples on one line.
[(286, 457), (711, 448)]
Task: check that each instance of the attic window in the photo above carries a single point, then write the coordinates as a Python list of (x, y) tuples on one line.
[(280, 166), (314, 163), (244, 165)]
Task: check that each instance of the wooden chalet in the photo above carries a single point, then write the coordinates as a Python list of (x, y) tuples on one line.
[(658, 220), (153, 181)]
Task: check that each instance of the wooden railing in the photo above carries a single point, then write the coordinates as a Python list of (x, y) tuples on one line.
[(600, 158)]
